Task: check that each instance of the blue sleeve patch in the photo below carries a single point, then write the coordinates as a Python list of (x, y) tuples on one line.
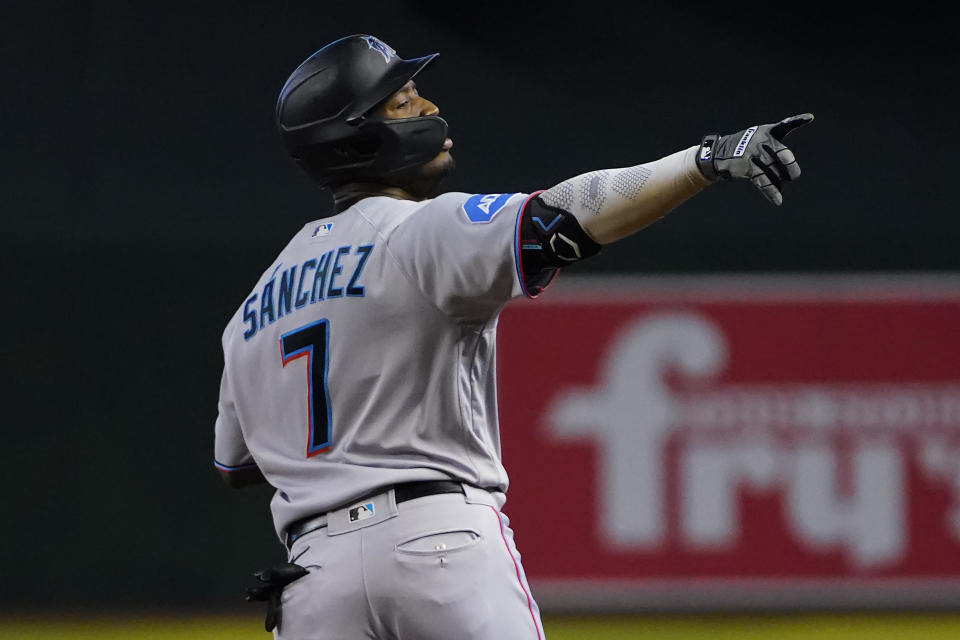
[(481, 208)]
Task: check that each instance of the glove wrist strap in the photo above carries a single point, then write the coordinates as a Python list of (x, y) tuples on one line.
[(705, 157)]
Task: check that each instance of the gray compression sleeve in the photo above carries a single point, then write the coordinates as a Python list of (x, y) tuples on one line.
[(613, 203)]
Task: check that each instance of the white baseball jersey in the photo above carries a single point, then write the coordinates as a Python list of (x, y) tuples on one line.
[(365, 355)]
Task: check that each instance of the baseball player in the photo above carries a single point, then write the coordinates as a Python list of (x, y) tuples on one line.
[(359, 373)]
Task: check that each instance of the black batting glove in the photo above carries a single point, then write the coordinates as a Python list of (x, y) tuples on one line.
[(756, 154), (269, 589)]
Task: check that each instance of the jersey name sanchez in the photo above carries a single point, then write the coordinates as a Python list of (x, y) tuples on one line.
[(365, 354)]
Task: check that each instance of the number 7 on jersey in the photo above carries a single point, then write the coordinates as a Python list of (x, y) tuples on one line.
[(312, 340)]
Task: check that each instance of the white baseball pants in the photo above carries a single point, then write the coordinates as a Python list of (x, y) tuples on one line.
[(441, 567)]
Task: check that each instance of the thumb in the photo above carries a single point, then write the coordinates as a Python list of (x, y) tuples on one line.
[(785, 126)]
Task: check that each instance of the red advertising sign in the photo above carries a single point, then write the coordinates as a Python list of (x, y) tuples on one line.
[(711, 442)]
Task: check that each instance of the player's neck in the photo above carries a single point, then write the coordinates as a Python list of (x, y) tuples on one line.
[(347, 194)]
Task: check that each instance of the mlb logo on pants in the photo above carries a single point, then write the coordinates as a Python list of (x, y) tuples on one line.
[(361, 512)]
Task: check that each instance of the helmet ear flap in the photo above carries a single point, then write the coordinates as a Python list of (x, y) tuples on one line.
[(377, 149), (353, 153), (364, 145)]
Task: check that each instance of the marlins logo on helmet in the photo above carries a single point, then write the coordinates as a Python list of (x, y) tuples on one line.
[(379, 45)]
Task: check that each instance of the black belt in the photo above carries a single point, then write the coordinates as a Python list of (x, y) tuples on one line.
[(401, 493)]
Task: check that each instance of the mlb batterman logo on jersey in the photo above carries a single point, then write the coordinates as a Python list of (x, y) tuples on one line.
[(323, 230)]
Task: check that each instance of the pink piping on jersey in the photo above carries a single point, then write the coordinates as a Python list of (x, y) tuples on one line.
[(519, 579), (518, 250)]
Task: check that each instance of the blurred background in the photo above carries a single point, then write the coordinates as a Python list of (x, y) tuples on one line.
[(144, 189)]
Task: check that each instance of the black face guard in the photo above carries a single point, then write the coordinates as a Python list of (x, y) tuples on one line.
[(404, 143)]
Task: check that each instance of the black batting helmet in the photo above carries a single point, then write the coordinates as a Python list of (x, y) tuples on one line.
[(323, 113)]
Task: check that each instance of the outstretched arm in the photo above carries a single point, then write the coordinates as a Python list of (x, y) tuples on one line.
[(613, 203)]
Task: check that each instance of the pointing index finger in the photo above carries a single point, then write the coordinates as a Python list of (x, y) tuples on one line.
[(785, 126)]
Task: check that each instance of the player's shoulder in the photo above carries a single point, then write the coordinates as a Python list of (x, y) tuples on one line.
[(386, 214), (459, 206), (383, 212), (473, 205)]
